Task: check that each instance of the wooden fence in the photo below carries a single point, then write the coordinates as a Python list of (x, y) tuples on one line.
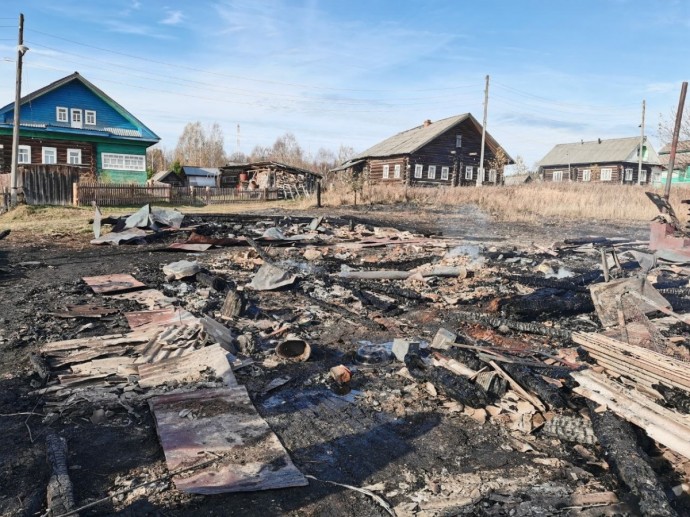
[(113, 194), (48, 184)]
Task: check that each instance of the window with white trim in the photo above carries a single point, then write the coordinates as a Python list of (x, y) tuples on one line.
[(587, 175), (492, 175), (418, 170), (557, 176), (123, 162), (90, 117), (643, 176), (24, 154), (386, 171), (606, 174), (49, 155), (444, 173), (628, 174), (458, 140), (61, 114), (396, 171), (431, 172), (74, 156), (469, 171)]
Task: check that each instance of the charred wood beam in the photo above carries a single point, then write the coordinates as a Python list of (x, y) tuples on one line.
[(4, 234), (488, 320), (537, 281), (385, 289), (40, 366), (60, 494), (343, 312), (630, 462), (448, 383), (534, 383)]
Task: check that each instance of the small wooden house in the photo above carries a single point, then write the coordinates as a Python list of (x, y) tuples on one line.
[(615, 160), (168, 178), (271, 175), (445, 152), (681, 165)]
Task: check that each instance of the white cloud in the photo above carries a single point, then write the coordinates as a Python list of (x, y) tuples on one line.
[(172, 18)]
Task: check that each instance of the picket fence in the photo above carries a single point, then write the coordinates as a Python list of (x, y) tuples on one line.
[(114, 194)]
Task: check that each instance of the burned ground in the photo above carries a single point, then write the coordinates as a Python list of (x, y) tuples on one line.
[(400, 435)]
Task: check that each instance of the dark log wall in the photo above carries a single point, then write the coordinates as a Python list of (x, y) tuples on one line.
[(438, 153), (618, 174), (37, 145)]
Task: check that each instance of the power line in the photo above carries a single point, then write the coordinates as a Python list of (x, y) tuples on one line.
[(231, 76)]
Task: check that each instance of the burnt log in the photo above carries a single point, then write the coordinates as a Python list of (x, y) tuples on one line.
[(488, 320), (213, 281), (453, 386), (4, 234), (40, 366), (538, 281), (533, 382), (60, 494), (234, 305), (630, 462)]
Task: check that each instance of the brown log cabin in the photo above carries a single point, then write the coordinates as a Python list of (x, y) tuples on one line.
[(445, 152), (614, 160)]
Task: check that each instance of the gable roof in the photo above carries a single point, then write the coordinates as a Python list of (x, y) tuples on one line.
[(413, 139), (144, 132), (683, 147), (598, 151)]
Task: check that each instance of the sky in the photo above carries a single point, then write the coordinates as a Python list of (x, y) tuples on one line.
[(355, 72)]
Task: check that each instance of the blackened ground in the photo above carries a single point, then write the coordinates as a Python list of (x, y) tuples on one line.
[(328, 436)]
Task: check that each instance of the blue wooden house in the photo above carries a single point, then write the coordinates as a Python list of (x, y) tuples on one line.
[(73, 122)]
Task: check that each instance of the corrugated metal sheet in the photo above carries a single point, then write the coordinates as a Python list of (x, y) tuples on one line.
[(612, 150), (201, 171), (412, 139)]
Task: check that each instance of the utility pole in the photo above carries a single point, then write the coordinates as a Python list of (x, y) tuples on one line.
[(674, 141), (21, 49), (237, 148), (480, 172), (639, 160)]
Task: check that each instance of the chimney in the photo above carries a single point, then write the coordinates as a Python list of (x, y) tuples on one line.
[(427, 123)]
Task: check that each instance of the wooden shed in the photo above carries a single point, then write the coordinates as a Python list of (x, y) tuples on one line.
[(289, 180)]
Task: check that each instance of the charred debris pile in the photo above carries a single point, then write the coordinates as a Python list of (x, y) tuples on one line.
[(583, 343)]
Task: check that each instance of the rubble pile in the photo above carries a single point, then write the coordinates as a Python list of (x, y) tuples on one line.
[(580, 347)]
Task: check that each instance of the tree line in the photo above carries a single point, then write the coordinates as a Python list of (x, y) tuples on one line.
[(200, 146)]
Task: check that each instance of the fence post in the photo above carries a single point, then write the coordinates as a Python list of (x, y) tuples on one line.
[(75, 194), (193, 194), (208, 195), (318, 194), (168, 195)]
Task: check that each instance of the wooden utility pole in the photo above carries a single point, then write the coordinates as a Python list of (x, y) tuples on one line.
[(21, 49), (480, 172), (674, 141), (639, 161)]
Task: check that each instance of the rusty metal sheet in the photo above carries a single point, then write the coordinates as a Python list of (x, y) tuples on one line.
[(113, 283), (190, 367), (142, 320), (225, 423), (186, 246), (151, 298), (195, 238)]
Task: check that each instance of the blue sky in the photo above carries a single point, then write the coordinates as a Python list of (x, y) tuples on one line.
[(354, 72)]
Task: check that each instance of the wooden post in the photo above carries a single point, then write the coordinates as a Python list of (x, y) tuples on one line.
[(192, 192), (208, 195), (318, 194), (75, 194)]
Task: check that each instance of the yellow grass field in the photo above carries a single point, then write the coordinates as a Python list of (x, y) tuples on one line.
[(526, 203)]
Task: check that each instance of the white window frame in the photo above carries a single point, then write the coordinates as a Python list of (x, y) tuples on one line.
[(458, 141), (43, 155), (116, 161), (469, 172), (628, 174), (445, 173), (69, 156), (643, 176), (419, 171), (492, 175), (606, 174), (20, 154), (431, 172), (586, 174), (78, 120), (386, 171), (61, 114), (396, 170), (557, 176), (87, 114)]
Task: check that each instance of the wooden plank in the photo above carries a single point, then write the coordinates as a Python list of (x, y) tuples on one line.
[(225, 424)]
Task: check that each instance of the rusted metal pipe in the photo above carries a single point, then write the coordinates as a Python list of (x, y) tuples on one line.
[(674, 141)]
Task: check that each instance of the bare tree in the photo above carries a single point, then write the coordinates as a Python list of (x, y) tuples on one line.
[(666, 125), (156, 160), (199, 147), (499, 161), (287, 150)]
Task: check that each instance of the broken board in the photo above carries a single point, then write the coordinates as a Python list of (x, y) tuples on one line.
[(113, 283), (606, 296), (223, 423), (190, 367)]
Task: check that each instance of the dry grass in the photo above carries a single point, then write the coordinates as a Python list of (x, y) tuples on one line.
[(525, 203)]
